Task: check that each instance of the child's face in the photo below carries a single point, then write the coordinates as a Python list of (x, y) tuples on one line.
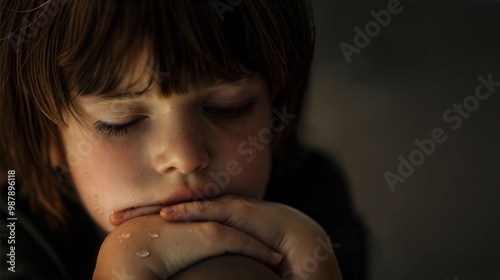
[(148, 150)]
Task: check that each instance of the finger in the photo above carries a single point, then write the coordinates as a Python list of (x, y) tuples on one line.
[(118, 218), (166, 248), (217, 239), (253, 217), (223, 211)]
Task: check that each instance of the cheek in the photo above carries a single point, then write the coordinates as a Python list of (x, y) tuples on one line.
[(249, 155), (116, 166), (103, 172), (255, 175)]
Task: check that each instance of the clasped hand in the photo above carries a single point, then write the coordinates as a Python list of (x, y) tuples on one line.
[(274, 234)]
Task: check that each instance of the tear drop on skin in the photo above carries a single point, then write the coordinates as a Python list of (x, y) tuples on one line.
[(143, 253), (154, 234), (101, 212), (124, 235)]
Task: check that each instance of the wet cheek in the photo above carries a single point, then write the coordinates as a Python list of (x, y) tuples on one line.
[(105, 177), (119, 170), (120, 164)]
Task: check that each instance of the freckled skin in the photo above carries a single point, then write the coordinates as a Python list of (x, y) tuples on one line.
[(153, 162), (175, 148)]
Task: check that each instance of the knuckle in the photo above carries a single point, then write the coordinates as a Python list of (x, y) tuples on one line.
[(185, 216), (200, 205), (210, 231), (183, 208), (212, 236), (246, 239), (242, 204)]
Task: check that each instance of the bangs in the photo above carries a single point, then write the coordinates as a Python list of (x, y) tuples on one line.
[(90, 47), (189, 44)]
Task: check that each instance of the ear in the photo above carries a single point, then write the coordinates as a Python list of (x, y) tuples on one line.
[(57, 155)]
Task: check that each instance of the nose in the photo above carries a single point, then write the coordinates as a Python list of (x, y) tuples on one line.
[(182, 151)]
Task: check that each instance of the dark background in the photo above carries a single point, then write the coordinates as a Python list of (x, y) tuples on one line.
[(443, 222)]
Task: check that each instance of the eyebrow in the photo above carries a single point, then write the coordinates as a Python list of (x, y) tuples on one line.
[(131, 94), (235, 83), (120, 95)]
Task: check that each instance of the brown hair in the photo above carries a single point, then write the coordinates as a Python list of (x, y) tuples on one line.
[(49, 50)]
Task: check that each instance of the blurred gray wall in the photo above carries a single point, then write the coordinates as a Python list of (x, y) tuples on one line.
[(443, 221)]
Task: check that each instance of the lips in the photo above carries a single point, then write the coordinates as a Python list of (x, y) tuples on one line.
[(119, 217)]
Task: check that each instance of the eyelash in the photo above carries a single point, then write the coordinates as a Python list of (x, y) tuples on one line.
[(123, 130), (117, 130)]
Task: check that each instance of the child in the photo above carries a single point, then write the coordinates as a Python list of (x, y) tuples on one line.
[(173, 124)]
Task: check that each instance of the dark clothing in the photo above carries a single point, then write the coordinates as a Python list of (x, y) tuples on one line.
[(42, 254), (315, 185), (310, 183)]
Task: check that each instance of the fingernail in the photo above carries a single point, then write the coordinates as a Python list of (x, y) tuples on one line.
[(277, 256), (168, 209), (117, 215)]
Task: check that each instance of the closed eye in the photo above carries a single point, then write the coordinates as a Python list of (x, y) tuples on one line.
[(118, 130), (230, 111)]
